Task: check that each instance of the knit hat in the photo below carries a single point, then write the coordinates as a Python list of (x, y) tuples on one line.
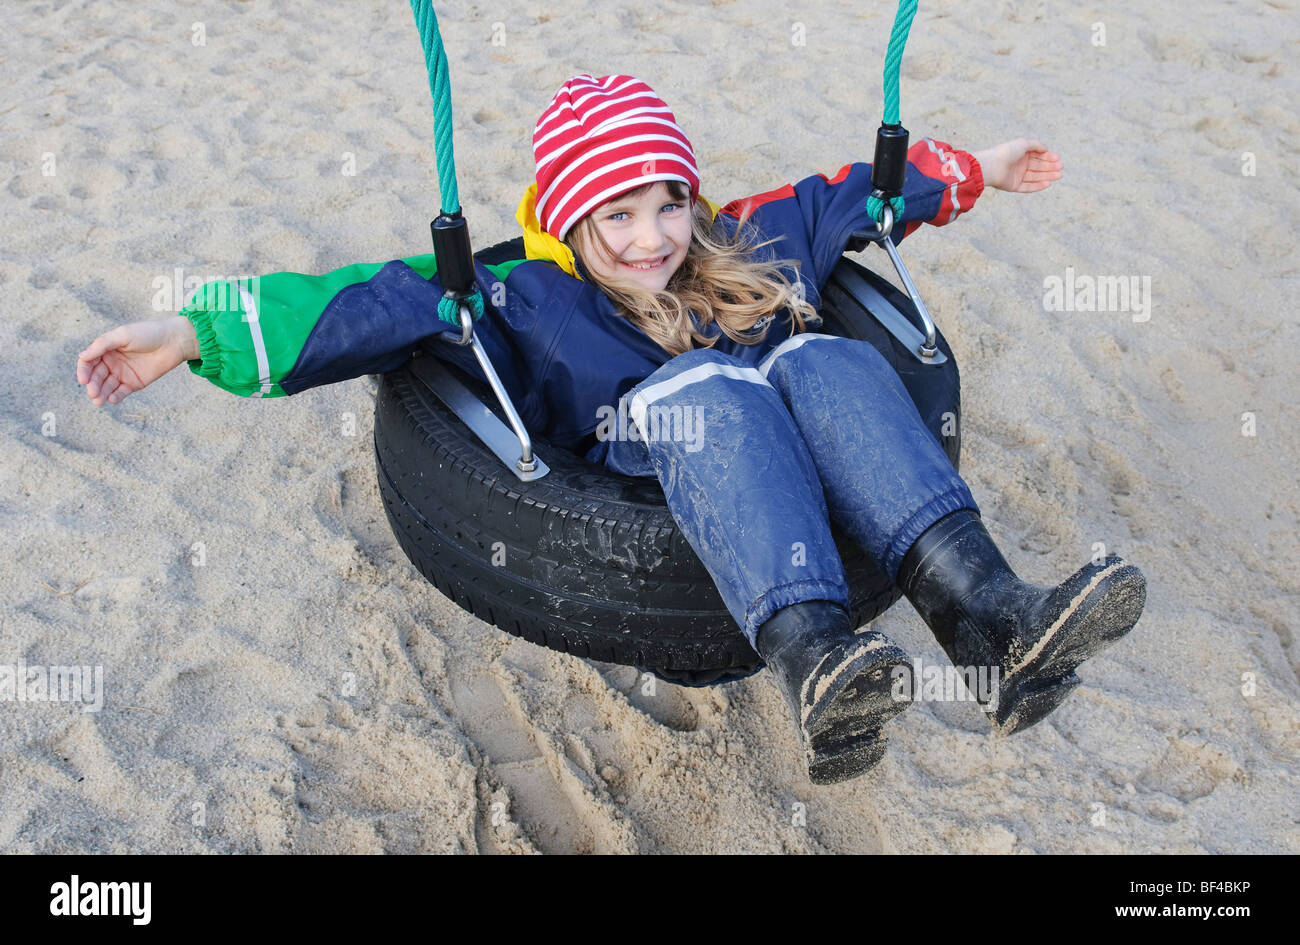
[(600, 138)]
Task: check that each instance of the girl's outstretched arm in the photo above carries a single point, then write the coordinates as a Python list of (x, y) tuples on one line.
[(279, 334)]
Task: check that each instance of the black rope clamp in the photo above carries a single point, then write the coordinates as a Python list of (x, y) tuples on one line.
[(451, 251), (889, 169)]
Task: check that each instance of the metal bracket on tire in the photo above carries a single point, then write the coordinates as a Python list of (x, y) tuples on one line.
[(515, 449), (884, 311), (920, 344)]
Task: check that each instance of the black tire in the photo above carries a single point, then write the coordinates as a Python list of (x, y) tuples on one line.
[(590, 562)]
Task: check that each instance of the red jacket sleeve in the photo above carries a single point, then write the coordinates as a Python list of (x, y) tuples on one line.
[(814, 218), (959, 170)]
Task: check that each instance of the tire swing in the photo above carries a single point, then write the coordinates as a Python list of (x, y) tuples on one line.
[(543, 544)]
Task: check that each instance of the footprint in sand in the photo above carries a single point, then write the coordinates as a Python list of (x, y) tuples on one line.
[(670, 705), (1190, 767), (550, 792)]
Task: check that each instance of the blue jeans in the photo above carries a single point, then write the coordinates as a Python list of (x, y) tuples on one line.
[(756, 462)]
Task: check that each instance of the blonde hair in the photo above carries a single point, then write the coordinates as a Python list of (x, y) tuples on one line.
[(717, 281)]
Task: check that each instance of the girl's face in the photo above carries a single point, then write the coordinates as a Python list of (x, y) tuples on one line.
[(653, 229)]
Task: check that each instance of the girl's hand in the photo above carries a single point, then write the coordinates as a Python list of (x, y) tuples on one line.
[(1020, 166), (131, 357)]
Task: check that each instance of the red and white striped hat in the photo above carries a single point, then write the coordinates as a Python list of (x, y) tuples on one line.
[(600, 138)]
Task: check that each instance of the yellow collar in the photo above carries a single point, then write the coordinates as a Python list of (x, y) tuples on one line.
[(538, 244)]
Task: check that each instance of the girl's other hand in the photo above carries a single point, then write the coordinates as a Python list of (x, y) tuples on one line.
[(131, 357), (1020, 166)]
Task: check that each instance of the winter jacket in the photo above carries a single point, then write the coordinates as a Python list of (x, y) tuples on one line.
[(555, 340)]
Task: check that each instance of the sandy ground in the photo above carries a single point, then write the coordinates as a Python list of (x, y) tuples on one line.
[(305, 689)]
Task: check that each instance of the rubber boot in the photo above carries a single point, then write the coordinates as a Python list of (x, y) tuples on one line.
[(836, 683), (982, 614)]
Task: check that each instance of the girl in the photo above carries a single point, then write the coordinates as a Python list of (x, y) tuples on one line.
[(640, 292)]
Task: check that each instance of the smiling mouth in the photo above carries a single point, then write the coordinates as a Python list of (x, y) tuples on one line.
[(650, 267)]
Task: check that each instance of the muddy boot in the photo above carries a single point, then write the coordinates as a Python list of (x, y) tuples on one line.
[(983, 615), (838, 685)]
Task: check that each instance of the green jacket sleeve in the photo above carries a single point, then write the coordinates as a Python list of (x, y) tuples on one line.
[(252, 332)]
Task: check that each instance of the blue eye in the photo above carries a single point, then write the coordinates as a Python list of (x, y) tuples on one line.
[(623, 213)]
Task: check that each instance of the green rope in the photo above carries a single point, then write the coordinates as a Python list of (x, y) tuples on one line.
[(435, 60), (449, 309), (894, 57), (893, 65), (876, 207)]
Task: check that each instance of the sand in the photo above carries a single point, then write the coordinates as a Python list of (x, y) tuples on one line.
[(277, 677)]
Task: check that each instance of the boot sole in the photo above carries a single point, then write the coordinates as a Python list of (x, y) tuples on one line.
[(855, 756), (854, 700), (1093, 609), (1032, 701)]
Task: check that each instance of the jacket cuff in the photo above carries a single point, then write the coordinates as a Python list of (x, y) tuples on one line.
[(208, 363), (974, 185)]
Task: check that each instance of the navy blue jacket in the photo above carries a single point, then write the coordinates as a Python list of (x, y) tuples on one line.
[(555, 340)]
